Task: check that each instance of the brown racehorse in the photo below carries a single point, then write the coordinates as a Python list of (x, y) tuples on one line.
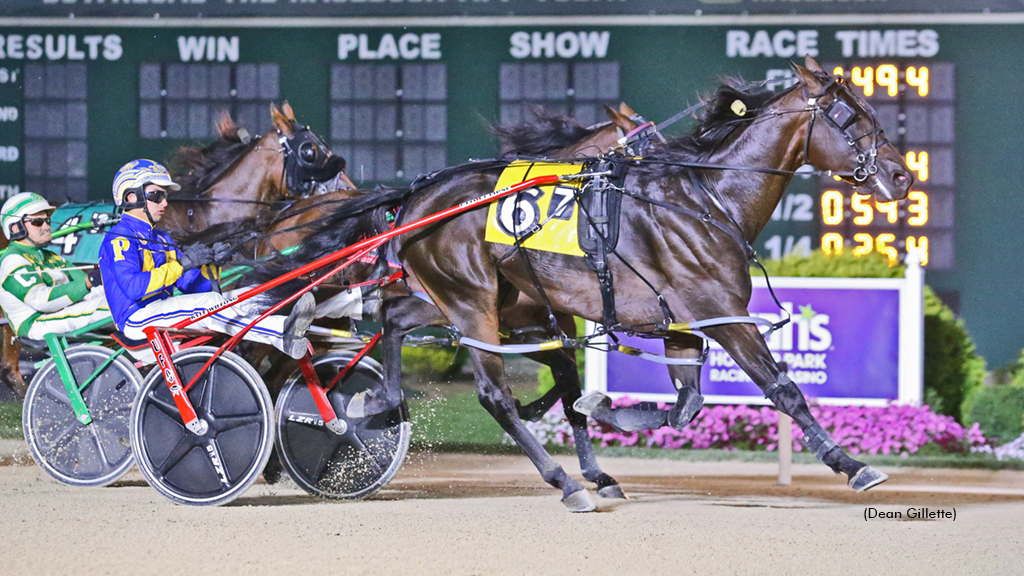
[(548, 135), (686, 233), (234, 177)]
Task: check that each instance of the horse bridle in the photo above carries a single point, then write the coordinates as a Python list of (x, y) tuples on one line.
[(842, 117), (304, 163)]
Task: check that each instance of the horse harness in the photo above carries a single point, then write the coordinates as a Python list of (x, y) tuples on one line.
[(304, 167), (842, 116), (600, 200)]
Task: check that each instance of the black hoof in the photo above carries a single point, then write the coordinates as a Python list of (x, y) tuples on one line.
[(866, 478), (612, 492), (688, 405)]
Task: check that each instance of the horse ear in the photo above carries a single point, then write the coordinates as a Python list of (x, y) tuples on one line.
[(288, 112), (807, 78), (812, 64), (281, 122), (620, 120), (625, 109), (226, 127)]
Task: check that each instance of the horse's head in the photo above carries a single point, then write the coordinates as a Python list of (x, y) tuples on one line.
[(309, 164), (844, 136)]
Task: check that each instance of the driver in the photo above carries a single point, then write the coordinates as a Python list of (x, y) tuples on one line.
[(39, 291), (142, 266)]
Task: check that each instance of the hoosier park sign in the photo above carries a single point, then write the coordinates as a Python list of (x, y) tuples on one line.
[(850, 341)]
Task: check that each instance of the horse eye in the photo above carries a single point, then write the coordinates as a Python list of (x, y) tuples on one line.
[(307, 153)]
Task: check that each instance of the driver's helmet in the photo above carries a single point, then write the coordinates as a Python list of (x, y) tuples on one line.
[(134, 175), (20, 205)]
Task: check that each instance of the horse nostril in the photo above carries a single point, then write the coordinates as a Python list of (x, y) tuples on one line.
[(901, 179)]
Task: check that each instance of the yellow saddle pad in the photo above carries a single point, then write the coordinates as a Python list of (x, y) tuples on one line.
[(553, 208)]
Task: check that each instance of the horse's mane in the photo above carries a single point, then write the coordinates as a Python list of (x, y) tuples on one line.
[(196, 169), (542, 133), (230, 231), (718, 120)]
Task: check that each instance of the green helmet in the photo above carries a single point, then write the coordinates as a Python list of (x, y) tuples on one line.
[(16, 208)]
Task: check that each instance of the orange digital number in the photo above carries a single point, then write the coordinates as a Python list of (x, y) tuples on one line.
[(919, 245), (918, 207), (866, 212), (918, 162), (890, 209), (865, 78), (832, 243), (831, 207), (867, 244), (882, 247), (889, 77), (918, 78)]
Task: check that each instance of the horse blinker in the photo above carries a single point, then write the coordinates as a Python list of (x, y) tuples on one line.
[(840, 113)]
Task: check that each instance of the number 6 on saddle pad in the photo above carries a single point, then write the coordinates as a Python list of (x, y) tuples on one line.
[(542, 218)]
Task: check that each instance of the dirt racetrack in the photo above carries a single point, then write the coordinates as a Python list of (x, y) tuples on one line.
[(458, 514)]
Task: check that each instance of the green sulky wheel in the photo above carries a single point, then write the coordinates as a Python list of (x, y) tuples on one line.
[(360, 460), (219, 465), (94, 454)]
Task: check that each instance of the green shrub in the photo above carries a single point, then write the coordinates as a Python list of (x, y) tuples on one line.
[(431, 362), (1017, 375), (1012, 373), (10, 420), (952, 368), (1000, 411), (844, 265), (953, 371)]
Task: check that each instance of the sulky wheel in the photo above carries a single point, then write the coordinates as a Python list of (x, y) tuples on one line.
[(215, 467), (353, 464), (94, 454)]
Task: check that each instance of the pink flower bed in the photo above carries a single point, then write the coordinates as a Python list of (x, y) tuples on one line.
[(893, 429)]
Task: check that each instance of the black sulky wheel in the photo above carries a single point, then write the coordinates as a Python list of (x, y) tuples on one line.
[(353, 464), (94, 454), (216, 467)]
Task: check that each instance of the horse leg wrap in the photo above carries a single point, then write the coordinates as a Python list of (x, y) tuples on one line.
[(818, 441), (773, 388), (785, 394)]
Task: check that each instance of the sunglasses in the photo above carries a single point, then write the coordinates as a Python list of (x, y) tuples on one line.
[(37, 222), (156, 196)]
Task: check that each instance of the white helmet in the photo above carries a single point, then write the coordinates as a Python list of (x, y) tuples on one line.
[(16, 208), (133, 176)]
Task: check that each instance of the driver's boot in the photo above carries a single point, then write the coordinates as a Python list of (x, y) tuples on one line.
[(599, 407)]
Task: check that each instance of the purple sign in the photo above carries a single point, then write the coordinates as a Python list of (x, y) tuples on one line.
[(841, 343)]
